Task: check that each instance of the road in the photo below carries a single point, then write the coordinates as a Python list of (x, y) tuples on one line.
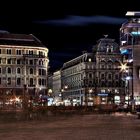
[(74, 127)]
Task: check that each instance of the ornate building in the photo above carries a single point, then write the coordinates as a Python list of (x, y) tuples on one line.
[(23, 65), (94, 78), (110, 86), (77, 76)]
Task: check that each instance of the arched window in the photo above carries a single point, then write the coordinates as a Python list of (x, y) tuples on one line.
[(31, 71), (9, 70), (18, 71)]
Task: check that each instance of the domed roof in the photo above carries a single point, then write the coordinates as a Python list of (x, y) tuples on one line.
[(107, 45)]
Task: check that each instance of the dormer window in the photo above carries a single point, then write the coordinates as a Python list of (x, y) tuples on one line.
[(109, 49)]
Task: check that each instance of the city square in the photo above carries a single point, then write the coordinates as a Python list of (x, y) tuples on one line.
[(116, 126)]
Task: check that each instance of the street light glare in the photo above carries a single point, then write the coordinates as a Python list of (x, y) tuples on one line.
[(124, 67)]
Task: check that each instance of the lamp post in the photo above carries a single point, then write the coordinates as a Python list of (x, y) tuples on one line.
[(65, 87)]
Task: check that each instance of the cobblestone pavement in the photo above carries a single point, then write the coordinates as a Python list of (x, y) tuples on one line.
[(74, 127)]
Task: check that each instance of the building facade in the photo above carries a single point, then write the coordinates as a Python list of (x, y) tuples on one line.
[(110, 86), (94, 78), (75, 75), (130, 49), (23, 65), (57, 87)]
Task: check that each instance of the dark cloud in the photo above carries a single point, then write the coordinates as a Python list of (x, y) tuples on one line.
[(82, 20)]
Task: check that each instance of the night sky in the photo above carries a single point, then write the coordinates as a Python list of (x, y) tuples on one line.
[(67, 27)]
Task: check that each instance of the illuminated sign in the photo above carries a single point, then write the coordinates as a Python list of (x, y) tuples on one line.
[(135, 33), (102, 94)]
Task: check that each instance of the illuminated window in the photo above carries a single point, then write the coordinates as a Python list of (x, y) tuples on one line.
[(102, 90)]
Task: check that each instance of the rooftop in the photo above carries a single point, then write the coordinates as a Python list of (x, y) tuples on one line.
[(7, 38)]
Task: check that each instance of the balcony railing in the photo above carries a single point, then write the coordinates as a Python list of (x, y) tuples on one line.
[(34, 56)]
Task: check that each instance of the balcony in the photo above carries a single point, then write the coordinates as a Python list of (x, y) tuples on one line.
[(34, 56)]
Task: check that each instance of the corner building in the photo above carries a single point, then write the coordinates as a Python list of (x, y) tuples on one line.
[(130, 49), (23, 65), (95, 78)]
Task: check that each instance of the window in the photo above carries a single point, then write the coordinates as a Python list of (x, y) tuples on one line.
[(102, 83), (40, 62), (102, 66), (30, 52), (31, 71), (39, 81), (43, 72), (9, 81), (117, 84), (109, 76), (9, 61), (8, 51), (9, 70), (0, 70), (39, 71), (31, 81), (43, 82), (18, 70), (110, 84), (116, 76), (18, 81), (90, 75), (0, 60), (31, 62), (109, 66), (40, 53), (18, 61), (18, 52), (102, 76)]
